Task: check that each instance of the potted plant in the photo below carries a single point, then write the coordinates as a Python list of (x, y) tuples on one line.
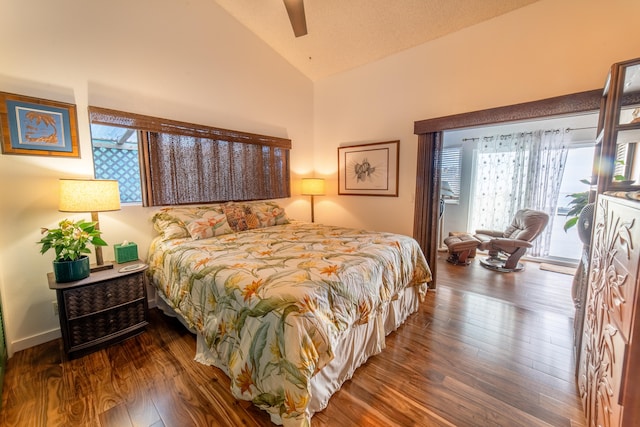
[(581, 200), (69, 241), (578, 202)]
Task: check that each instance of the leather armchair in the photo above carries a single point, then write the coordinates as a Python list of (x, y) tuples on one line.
[(508, 246)]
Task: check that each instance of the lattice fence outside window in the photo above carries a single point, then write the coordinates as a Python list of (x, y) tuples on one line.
[(122, 165)]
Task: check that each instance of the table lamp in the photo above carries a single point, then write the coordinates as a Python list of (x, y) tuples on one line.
[(312, 187), (90, 195)]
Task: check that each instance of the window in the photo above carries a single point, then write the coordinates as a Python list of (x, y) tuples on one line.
[(567, 244), (183, 163), (451, 170), (115, 156)]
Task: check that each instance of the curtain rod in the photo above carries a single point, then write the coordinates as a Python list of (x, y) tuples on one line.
[(567, 130), (584, 128)]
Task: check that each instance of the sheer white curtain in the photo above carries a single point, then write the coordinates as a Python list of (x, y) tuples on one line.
[(517, 171)]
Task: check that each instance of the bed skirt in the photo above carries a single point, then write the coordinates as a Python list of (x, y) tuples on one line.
[(355, 347)]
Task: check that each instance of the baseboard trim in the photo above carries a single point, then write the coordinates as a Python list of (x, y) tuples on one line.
[(33, 341)]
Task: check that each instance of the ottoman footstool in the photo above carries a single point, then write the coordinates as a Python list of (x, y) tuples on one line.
[(461, 248)]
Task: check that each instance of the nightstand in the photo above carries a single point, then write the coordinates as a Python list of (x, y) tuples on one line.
[(107, 307)]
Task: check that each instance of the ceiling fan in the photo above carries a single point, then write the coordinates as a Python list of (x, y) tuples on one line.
[(295, 10)]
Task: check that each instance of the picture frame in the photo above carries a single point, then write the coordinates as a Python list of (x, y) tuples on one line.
[(369, 169), (38, 127)]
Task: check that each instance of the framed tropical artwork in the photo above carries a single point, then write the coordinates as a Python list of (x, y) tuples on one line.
[(38, 127), (369, 169)]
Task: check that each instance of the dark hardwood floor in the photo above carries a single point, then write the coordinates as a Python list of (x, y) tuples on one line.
[(485, 349)]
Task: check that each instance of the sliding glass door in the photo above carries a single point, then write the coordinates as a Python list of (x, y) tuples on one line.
[(527, 165), (578, 167)]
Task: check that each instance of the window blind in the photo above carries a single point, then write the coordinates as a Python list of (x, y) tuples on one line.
[(451, 172), (184, 163)]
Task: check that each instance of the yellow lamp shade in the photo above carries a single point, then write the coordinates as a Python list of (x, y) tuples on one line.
[(89, 195), (312, 186)]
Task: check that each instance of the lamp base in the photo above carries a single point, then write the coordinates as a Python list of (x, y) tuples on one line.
[(100, 264), (100, 267)]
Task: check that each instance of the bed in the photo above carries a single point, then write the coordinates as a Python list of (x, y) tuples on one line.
[(287, 309)]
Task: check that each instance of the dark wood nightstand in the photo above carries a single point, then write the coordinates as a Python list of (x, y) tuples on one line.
[(107, 307)]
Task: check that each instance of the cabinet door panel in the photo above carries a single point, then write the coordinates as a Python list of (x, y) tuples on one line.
[(101, 296), (610, 310), (622, 272), (94, 327)]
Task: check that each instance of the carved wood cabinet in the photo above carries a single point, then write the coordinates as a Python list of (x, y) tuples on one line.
[(609, 365)]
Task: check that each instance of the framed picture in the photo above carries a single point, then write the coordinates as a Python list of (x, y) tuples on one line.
[(38, 127), (369, 169)]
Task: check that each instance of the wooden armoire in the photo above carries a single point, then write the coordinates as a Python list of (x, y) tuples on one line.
[(609, 354)]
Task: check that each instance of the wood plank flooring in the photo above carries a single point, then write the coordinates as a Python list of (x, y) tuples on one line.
[(485, 349)]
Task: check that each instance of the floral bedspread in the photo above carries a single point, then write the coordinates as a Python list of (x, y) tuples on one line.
[(271, 302)]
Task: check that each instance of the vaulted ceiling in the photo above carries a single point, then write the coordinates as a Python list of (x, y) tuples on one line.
[(345, 34)]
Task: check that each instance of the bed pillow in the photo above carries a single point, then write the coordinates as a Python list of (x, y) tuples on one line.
[(169, 226), (171, 222), (269, 213), (211, 224)]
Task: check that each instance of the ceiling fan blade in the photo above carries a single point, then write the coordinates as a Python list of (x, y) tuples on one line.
[(295, 9)]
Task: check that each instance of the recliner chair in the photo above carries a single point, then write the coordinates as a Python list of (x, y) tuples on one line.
[(507, 247)]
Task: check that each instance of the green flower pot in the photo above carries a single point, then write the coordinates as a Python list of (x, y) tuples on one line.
[(70, 271)]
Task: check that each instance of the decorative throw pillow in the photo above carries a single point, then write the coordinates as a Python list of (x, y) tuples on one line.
[(211, 224), (240, 217)]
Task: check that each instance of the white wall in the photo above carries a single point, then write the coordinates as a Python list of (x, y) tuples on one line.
[(546, 49), (181, 59)]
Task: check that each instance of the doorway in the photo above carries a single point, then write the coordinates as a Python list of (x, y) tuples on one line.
[(430, 136), (462, 212)]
